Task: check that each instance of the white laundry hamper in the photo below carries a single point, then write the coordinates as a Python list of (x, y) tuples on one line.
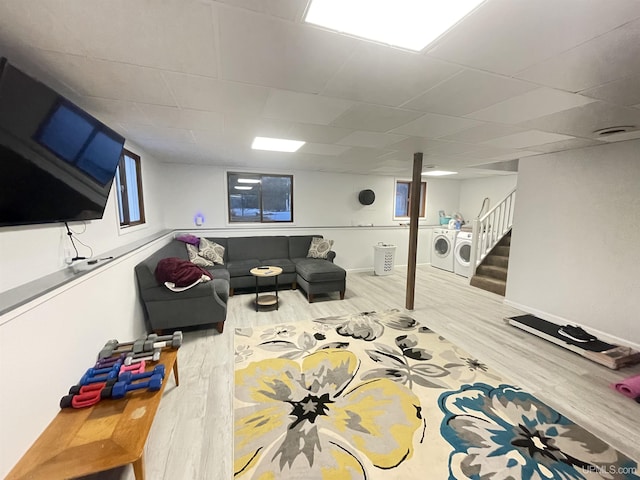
[(384, 258)]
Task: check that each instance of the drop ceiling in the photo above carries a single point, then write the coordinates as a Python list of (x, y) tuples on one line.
[(193, 82)]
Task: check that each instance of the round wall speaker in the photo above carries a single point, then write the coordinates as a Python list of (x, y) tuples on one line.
[(366, 197)]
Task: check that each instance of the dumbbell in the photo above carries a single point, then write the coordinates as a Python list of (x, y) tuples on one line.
[(128, 377), (137, 357), (113, 346), (120, 389), (153, 340), (90, 377), (91, 387), (109, 361), (134, 367)]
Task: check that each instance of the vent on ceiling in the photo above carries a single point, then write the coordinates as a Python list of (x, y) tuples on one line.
[(618, 133)]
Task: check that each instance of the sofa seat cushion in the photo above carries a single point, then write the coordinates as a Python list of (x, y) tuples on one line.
[(241, 268), (219, 271), (318, 270), (285, 264)]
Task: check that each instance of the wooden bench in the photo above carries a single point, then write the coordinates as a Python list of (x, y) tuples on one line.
[(110, 434)]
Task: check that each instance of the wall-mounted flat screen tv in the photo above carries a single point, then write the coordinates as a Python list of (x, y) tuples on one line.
[(57, 162)]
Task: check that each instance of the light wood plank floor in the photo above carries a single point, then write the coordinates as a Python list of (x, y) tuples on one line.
[(192, 437)]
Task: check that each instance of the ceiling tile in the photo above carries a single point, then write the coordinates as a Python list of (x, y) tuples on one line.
[(374, 118), (286, 9), (468, 92), (323, 149), (127, 112), (526, 139), (370, 139), (421, 144), (483, 133), (431, 125), (159, 133), (264, 51), (304, 107), (174, 117), (593, 63), (583, 121), (564, 145), (178, 37), (41, 26), (117, 81), (506, 36), (534, 104), (625, 92), (371, 75), (318, 133), (203, 93)]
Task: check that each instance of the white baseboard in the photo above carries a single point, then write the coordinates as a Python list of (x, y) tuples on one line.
[(604, 336)]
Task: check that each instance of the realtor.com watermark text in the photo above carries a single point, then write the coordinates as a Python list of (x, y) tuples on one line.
[(611, 469)]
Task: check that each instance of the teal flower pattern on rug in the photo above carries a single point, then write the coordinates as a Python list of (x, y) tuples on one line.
[(505, 433)]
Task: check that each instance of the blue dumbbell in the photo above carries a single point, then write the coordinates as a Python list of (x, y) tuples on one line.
[(128, 377), (120, 389), (92, 375)]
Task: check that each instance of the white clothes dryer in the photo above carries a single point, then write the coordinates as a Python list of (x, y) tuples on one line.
[(443, 242), (462, 254)]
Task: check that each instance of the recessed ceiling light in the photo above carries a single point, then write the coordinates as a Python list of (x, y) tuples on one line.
[(276, 144), (240, 187), (248, 180), (410, 24), (438, 173)]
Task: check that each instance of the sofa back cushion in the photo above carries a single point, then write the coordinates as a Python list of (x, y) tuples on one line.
[(299, 245), (262, 248)]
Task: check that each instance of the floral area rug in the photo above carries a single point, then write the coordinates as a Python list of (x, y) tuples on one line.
[(379, 396)]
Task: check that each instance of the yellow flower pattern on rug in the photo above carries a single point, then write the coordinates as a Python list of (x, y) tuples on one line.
[(308, 419)]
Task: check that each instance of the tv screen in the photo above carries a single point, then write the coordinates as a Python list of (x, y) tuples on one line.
[(57, 162)]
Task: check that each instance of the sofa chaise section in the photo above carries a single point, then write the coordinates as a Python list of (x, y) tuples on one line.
[(165, 310)]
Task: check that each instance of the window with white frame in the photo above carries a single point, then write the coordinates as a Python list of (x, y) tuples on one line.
[(402, 199), (129, 189)]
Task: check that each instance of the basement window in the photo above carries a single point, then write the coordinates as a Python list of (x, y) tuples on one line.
[(260, 198), (129, 189), (402, 199)]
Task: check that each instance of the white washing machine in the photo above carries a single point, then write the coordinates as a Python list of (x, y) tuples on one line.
[(462, 254), (443, 242)]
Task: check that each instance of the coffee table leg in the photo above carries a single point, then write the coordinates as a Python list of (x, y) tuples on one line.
[(277, 301), (138, 468), (256, 294)]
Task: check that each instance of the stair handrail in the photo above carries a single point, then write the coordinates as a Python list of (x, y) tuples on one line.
[(490, 228)]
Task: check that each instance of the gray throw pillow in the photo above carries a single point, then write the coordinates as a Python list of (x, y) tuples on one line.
[(211, 251), (197, 259), (319, 247)]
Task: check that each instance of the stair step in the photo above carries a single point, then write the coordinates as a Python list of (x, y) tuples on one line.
[(496, 260), (489, 284), (493, 271), (501, 250), (506, 241)]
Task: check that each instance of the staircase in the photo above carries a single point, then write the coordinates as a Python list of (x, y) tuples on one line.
[(491, 274)]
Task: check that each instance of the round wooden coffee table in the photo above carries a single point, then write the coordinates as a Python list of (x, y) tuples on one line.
[(263, 272)]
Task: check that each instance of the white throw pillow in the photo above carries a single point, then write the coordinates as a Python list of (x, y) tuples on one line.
[(319, 247), (197, 259), (211, 251)]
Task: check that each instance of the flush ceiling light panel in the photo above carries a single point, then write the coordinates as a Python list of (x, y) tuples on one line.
[(276, 144), (409, 24), (438, 173)]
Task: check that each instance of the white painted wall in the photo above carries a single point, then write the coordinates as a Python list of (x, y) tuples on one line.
[(474, 191), (47, 344), (574, 251), (324, 203), (31, 252)]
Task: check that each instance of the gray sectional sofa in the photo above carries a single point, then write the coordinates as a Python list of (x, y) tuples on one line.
[(206, 303)]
